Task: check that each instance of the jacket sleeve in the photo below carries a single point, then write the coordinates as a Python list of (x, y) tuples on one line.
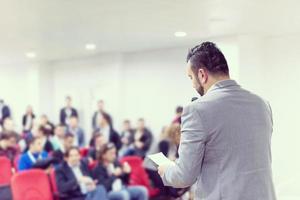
[(100, 174), (65, 185), (191, 151)]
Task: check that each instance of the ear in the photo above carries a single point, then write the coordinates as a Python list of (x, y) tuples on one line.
[(202, 75)]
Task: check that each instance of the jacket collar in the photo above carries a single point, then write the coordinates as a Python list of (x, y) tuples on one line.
[(223, 84)]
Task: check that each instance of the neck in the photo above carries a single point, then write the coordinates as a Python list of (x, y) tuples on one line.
[(214, 80)]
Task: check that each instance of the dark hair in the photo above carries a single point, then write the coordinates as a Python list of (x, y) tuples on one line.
[(207, 55), (31, 140), (44, 130), (68, 135), (127, 121), (4, 136), (104, 149), (179, 109), (67, 153)]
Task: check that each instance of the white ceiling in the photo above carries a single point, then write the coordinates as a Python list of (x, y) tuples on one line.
[(59, 29)]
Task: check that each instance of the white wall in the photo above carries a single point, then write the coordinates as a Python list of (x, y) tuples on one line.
[(151, 84)]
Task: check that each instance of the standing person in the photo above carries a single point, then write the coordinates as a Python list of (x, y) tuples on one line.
[(4, 111), (98, 115), (225, 137), (67, 112), (27, 120)]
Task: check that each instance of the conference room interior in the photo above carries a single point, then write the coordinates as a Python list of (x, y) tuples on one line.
[(124, 62)]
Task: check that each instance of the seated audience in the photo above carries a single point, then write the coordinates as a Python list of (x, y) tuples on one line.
[(142, 140), (108, 131), (115, 177), (170, 141), (74, 180), (177, 119), (58, 139), (49, 126), (77, 131), (8, 125), (67, 112), (27, 120), (67, 143), (34, 154), (99, 142), (6, 149), (4, 111), (43, 134), (98, 115), (126, 136)]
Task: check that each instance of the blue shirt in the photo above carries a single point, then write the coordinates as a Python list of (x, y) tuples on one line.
[(26, 162)]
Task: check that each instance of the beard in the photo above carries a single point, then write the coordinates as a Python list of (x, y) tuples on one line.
[(200, 88)]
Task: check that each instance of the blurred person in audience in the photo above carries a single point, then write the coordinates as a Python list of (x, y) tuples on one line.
[(108, 131), (177, 118), (34, 154), (98, 115), (44, 136), (142, 139), (67, 143), (27, 120), (127, 136), (115, 176), (58, 139), (8, 125), (74, 180), (49, 126), (99, 142), (67, 112), (6, 149), (170, 141), (4, 111), (76, 131)]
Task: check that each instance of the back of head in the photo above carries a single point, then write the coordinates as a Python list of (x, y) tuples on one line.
[(207, 55)]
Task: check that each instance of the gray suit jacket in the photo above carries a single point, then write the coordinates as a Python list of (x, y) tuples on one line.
[(225, 146)]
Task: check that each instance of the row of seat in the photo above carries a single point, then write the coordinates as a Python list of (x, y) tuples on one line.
[(35, 184)]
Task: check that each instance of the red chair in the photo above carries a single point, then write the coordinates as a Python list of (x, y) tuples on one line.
[(5, 171), (31, 185), (16, 163), (53, 184), (138, 175), (84, 152)]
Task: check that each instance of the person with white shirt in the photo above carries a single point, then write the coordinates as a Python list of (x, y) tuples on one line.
[(74, 179)]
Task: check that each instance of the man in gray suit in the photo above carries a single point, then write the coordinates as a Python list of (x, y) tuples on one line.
[(225, 144)]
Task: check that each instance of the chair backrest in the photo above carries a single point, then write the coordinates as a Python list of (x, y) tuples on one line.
[(16, 162), (53, 183), (31, 185), (138, 175), (5, 171), (83, 151)]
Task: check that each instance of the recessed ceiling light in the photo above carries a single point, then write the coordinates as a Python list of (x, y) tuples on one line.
[(90, 46), (30, 54), (180, 34)]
